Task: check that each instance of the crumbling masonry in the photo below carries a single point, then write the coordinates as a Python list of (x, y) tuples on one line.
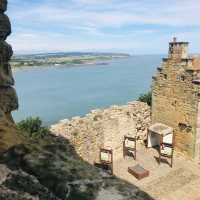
[(176, 97)]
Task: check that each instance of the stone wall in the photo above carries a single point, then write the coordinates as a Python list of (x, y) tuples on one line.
[(175, 101), (105, 128), (8, 97)]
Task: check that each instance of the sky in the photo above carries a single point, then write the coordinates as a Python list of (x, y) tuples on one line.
[(127, 26)]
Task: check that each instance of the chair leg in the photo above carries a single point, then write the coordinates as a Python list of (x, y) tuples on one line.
[(159, 159), (135, 148), (123, 151), (171, 162), (111, 168), (135, 155)]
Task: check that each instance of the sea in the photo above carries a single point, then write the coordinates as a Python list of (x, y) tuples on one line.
[(61, 92)]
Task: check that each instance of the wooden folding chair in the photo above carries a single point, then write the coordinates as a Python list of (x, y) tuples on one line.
[(106, 158), (166, 150), (130, 146)]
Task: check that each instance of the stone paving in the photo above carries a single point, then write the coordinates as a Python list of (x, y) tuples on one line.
[(182, 182)]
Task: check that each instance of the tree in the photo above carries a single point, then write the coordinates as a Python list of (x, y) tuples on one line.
[(32, 127), (146, 98)]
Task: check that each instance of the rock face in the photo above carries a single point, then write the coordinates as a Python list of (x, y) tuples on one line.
[(5, 26), (102, 128), (8, 97), (13, 181)]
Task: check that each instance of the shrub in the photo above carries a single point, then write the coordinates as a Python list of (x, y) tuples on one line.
[(146, 98), (32, 127)]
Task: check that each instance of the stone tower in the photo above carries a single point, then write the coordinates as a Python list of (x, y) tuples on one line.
[(8, 97), (176, 97), (178, 50)]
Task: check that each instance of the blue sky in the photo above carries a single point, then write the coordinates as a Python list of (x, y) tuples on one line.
[(133, 26)]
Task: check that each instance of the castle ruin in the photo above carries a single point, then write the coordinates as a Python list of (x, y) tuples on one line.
[(176, 97)]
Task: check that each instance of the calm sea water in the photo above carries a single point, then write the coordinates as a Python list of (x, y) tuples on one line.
[(55, 93)]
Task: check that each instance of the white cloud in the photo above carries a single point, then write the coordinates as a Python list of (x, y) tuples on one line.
[(113, 24)]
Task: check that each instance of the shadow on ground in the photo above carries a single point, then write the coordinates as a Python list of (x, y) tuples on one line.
[(50, 169)]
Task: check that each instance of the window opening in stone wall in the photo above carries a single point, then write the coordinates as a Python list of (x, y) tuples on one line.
[(182, 78), (184, 127)]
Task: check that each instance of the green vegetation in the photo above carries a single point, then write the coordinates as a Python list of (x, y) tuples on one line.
[(146, 98), (32, 127)]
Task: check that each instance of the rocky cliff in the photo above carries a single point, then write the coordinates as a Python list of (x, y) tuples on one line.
[(8, 97), (102, 128)]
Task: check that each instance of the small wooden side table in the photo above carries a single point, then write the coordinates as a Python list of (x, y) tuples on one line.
[(138, 171)]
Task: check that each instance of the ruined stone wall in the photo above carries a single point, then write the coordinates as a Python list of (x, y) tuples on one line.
[(178, 50), (8, 97), (175, 102), (197, 142), (105, 128)]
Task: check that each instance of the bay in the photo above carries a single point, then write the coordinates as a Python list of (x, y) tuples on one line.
[(55, 93)]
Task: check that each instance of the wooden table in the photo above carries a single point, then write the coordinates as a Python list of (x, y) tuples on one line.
[(138, 171)]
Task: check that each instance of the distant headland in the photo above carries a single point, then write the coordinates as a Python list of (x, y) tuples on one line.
[(62, 58)]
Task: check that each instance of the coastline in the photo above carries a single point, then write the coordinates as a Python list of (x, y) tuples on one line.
[(25, 62), (15, 69), (80, 61), (94, 89)]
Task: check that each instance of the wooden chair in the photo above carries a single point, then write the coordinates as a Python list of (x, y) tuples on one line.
[(166, 149), (106, 158), (130, 146)]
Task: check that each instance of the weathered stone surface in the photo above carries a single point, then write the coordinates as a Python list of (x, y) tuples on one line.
[(3, 5), (6, 76), (5, 52), (8, 99), (105, 128), (5, 26), (176, 98), (19, 185)]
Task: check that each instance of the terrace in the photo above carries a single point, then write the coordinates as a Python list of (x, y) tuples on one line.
[(164, 183)]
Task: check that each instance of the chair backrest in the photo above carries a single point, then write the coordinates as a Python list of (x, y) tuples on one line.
[(168, 139), (106, 155), (129, 142), (167, 144)]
